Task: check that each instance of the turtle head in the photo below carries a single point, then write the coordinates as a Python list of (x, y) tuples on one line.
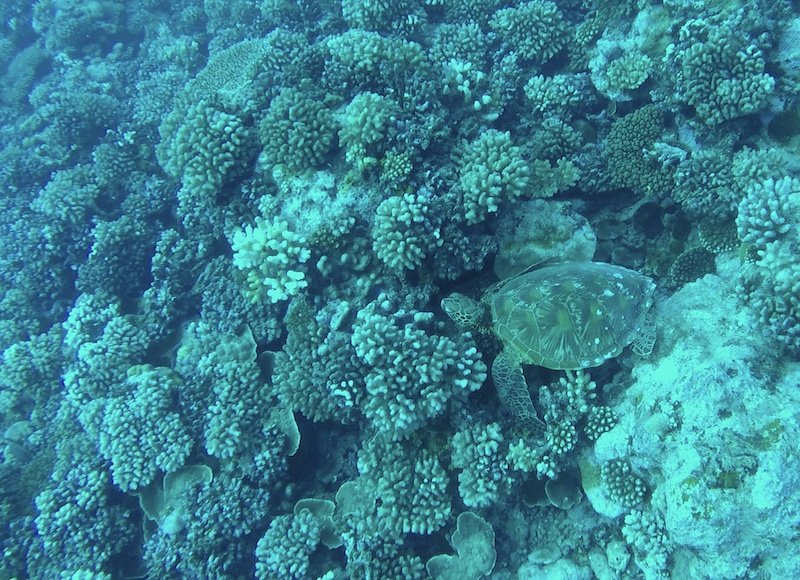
[(465, 311)]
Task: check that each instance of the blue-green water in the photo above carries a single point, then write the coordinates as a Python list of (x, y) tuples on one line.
[(228, 228)]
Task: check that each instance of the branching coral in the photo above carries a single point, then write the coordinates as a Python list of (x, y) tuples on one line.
[(484, 474), (720, 71), (271, 256), (297, 131), (403, 231), (413, 374), (224, 368), (535, 30), (492, 169), (140, 433)]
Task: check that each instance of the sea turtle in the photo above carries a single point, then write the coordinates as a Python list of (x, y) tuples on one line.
[(564, 316)]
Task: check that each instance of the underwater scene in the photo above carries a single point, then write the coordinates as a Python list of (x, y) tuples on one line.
[(399, 289)]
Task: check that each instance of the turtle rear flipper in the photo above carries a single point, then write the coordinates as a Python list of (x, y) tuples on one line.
[(513, 392)]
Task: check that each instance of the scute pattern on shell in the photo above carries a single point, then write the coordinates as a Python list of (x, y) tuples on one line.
[(571, 316)]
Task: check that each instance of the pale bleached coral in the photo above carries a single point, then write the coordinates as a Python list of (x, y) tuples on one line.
[(272, 259)]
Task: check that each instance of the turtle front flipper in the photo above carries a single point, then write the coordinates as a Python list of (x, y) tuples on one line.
[(513, 391)]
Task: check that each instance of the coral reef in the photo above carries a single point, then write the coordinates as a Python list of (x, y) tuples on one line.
[(250, 252)]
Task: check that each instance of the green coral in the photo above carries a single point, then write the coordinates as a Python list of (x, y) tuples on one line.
[(548, 178), (297, 131), (768, 211), (535, 30), (381, 14), (462, 78), (477, 452), (646, 533), (600, 419), (717, 236), (491, 169), (162, 502), (402, 488), (358, 49), (768, 223), (628, 72), (317, 371), (360, 58), (70, 195), (402, 231), (622, 484), (478, 11), (414, 374), (363, 125), (565, 404), (396, 167), (228, 71), (628, 165), (30, 370), (285, 548), (100, 366), (224, 368), (80, 525), (140, 433), (556, 96), (720, 70), (712, 182), (412, 488), (690, 265), (463, 41), (203, 146), (771, 287)]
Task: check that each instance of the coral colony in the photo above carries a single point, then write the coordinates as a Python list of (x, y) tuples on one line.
[(397, 289)]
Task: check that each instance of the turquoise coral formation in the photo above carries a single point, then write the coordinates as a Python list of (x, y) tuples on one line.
[(140, 434), (232, 233), (272, 259), (283, 551), (228, 370), (318, 373), (203, 145), (493, 169), (413, 375), (403, 233), (478, 454), (297, 131), (721, 72), (768, 211), (628, 142), (536, 30)]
